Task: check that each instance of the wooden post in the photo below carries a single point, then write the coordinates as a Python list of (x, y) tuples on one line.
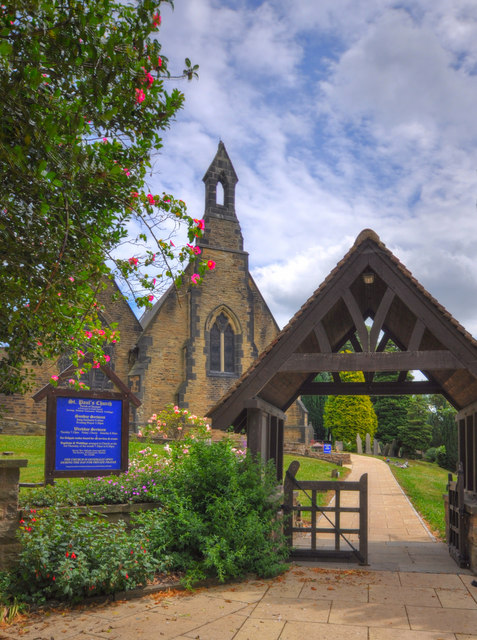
[(363, 518), (288, 501)]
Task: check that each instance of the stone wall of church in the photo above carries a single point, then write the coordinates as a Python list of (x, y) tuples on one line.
[(160, 366)]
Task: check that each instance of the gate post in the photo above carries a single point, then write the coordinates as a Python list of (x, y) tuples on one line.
[(288, 501), (363, 518)]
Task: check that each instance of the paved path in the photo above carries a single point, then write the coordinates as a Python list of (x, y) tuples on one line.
[(398, 538), (411, 591)]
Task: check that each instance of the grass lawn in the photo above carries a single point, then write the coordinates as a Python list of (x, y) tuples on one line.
[(425, 483)]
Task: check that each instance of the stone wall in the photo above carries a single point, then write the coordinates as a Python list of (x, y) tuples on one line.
[(302, 450), (9, 518)]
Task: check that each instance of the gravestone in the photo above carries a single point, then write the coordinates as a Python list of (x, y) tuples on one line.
[(376, 447), (393, 451), (359, 444), (368, 444)]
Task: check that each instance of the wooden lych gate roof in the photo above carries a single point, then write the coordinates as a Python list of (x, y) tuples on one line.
[(369, 299)]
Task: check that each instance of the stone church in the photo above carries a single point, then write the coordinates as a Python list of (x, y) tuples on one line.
[(188, 350)]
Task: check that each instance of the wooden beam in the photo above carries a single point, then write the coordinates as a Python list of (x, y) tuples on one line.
[(380, 317), (431, 360), (388, 388), (357, 317), (266, 407)]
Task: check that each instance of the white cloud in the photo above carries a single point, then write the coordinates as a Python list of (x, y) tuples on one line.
[(337, 115)]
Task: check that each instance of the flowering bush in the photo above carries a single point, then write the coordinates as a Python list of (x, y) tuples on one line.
[(175, 423), (68, 556)]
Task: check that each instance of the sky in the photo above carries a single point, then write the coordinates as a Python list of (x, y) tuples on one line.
[(338, 115)]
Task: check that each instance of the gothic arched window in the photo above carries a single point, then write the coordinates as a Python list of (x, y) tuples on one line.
[(222, 346)]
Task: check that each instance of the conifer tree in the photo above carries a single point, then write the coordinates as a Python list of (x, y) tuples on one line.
[(348, 416)]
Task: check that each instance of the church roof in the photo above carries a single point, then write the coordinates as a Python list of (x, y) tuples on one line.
[(400, 309)]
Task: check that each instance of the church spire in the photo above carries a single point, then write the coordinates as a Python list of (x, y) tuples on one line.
[(222, 229)]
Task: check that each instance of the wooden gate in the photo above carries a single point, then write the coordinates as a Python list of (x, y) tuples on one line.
[(328, 531), (456, 534)]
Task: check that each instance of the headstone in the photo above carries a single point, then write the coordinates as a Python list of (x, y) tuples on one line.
[(339, 445), (359, 444), (393, 449), (368, 444), (376, 447)]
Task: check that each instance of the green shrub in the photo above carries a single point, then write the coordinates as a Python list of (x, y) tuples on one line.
[(430, 455), (441, 456), (65, 556), (220, 516)]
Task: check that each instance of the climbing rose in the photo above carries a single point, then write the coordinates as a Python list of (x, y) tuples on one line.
[(140, 96), (150, 197), (199, 223), (211, 264), (195, 278)]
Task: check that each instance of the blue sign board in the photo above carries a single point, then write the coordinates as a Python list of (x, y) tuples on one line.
[(88, 434), (327, 448)]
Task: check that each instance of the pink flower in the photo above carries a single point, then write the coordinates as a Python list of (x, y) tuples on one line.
[(127, 172), (133, 262), (156, 20), (159, 62), (150, 298), (80, 353), (197, 250), (107, 358), (135, 194), (71, 279), (55, 378), (105, 140), (140, 96), (71, 381), (40, 344), (199, 223), (195, 277), (150, 198), (88, 334), (211, 264), (149, 78)]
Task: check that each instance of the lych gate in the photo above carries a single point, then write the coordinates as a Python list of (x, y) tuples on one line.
[(369, 299)]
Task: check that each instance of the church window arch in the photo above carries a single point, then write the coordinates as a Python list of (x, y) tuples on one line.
[(223, 332)]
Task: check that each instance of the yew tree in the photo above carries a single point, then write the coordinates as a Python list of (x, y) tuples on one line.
[(84, 95), (348, 416)]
